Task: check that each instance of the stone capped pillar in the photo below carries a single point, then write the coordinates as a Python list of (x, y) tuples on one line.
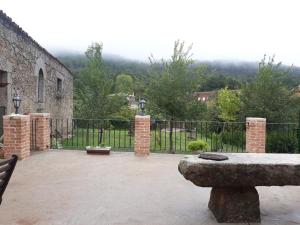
[(16, 130), (255, 135), (142, 135), (40, 128)]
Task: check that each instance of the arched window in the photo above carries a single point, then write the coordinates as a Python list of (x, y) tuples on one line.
[(41, 86)]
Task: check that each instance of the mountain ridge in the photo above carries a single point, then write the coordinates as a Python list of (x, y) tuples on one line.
[(241, 70)]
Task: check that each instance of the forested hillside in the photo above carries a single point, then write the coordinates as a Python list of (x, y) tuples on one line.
[(103, 84), (219, 73)]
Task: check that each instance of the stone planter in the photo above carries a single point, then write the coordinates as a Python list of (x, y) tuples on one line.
[(98, 150)]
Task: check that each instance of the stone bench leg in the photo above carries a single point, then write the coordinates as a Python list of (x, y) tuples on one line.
[(235, 204)]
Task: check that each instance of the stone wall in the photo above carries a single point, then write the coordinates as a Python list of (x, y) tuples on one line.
[(22, 58)]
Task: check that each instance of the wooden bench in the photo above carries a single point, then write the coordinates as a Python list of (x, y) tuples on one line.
[(6, 169)]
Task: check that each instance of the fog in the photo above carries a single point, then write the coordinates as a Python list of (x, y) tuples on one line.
[(219, 30)]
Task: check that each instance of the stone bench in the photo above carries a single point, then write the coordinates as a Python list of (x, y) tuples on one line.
[(233, 197)]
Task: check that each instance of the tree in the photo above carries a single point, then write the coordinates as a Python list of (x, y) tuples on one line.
[(267, 96), (228, 104), (216, 82), (125, 113), (172, 85), (196, 110), (93, 88), (124, 84)]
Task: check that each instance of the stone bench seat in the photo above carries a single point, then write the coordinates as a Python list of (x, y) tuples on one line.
[(233, 196)]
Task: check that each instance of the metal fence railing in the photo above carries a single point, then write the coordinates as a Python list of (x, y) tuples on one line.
[(166, 136), (282, 138), (79, 133), (33, 130), (2, 113), (175, 136)]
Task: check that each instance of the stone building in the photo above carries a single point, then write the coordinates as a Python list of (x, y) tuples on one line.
[(43, 82)]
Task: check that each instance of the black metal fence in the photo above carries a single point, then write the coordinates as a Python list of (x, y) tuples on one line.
[(79, 133), (33, 130), (166, 136), (2, 113), (282, 138), (175, 136)]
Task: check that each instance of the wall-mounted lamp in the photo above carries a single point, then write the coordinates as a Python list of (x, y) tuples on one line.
[(17, 102), (142, 104)]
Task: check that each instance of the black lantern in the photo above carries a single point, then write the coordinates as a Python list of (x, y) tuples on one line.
[(17, 102), (142, 106)]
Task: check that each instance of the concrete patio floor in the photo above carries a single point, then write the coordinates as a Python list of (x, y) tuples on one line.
[(70, 187)]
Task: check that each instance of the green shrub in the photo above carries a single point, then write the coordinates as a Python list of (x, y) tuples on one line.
[(197, 145), (277, 142)]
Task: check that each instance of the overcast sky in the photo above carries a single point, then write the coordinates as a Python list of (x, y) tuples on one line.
[(219, 30)]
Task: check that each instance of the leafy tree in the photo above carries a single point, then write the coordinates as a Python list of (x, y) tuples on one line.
[(216, 82), (171, 88), (93, 88), (116, 102), (267, 96), (124, 84), (228, 104), (125, 113), (196, 110), (139, 87)]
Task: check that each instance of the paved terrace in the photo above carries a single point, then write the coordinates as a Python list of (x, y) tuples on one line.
[(70, 187)]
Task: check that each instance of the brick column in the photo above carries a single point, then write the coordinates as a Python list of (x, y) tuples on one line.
[(41, 130), (16, 135), (255, 135), (142, 135)]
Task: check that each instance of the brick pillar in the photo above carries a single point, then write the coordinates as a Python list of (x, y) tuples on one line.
[(16, 135), (142, 135), (41, 131), (255, 135)]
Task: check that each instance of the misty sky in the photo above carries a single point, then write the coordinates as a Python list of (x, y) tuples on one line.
[(242, 30)]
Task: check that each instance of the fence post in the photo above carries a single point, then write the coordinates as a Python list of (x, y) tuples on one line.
[(16, 135), (142, 135), (42, 130), (255, 135)]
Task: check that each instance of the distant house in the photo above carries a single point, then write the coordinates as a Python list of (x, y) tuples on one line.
[(205, 95), (133, 104), (296, 91)]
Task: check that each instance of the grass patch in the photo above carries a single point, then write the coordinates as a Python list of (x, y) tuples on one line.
[(122, 140)]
